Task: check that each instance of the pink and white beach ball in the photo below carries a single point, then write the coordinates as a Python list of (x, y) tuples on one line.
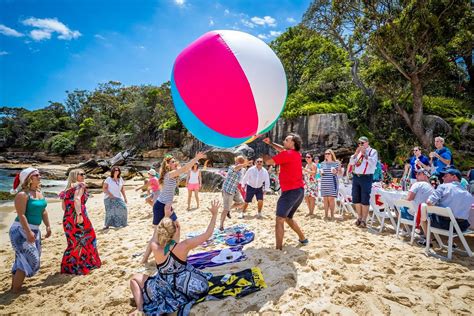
[(227, 87)]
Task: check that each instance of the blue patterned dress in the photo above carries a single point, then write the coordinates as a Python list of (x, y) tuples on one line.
[(175, 287)]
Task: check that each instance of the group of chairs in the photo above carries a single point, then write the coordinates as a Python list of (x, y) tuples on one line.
[(391, 214)]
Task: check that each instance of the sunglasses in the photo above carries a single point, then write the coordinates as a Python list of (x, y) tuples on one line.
[(361, 143), (308, 157), (35, 175), (259, 161), (81, 174), (327, 154)]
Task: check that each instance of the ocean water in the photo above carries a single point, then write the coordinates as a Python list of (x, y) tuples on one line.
[(7, 176)]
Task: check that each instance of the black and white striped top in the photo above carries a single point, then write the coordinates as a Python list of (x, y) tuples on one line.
[(167, 190)]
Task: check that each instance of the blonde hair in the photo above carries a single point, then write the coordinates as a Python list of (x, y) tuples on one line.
[(26, 185), (165, 231), (165, 168), (72, 178), (333, 155), (240, 159)]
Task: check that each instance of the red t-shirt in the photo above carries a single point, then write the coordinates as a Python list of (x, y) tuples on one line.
[(291, 170)]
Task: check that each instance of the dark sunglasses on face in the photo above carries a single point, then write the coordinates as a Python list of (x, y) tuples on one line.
[(327, 154), (361, 143), (82, 174)]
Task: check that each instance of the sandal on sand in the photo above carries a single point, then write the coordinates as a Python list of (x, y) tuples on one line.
[(304, 242), (357, 222), (362, 224), (228, 214)]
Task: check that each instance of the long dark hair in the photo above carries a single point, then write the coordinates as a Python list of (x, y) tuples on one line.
[(115, 169)]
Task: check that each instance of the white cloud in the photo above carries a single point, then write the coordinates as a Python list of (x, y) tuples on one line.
[(180, 2), (45, 27), (290, 20), (275, 33), (211, 22), (3, 53), (247, 23), (39, 35), (266, 20), (226, 12), (100, 37), (141, 47), (5, 30), (262, 36)]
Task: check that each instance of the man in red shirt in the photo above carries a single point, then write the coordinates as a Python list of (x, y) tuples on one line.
[(291, 183)]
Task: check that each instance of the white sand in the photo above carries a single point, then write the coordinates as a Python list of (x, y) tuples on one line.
[(344, 270)]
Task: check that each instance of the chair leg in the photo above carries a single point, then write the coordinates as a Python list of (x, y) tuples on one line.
[(465, 244), (381, 224), (428, 239), (412, 234), (398, 227), (450, 245)]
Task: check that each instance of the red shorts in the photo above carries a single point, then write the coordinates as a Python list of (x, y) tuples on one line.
[(193, 186)]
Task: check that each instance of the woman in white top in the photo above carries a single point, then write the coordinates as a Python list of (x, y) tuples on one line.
[(115, 200), (193, 183)]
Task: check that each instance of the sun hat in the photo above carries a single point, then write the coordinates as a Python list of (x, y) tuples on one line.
[(152, 172), (21, 177), (226, 255), (363, 139)]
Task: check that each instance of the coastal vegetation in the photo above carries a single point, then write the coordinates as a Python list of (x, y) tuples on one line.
[(390, 65)]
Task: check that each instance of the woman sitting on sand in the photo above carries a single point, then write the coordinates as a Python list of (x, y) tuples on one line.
[(177, 284), (81, 254), (25, 234)]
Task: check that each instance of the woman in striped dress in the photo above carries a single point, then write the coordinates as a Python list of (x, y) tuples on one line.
[(329, 170)]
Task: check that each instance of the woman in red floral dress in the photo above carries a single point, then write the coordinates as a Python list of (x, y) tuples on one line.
[(81, 254)]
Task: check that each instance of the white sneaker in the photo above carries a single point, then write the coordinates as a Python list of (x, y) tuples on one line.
[(241, 215), (259, 215)]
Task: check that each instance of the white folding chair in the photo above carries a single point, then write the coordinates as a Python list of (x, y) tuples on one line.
[(406, 222), (346, 204), (454, 230), (381, 214)]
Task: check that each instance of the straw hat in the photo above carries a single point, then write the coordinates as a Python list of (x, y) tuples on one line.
[(152, 172)]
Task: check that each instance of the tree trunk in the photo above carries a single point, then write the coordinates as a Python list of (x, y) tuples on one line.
[(373, 106), (417, 116)]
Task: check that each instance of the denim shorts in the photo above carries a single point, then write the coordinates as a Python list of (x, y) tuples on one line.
[(404, 214), (289, 202), (251, 192), (361, 188), (159, 213)]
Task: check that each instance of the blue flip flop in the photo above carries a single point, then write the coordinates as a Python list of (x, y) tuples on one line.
[(304, 242)]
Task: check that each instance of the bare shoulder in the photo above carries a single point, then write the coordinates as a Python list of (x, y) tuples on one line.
[(21, 196)]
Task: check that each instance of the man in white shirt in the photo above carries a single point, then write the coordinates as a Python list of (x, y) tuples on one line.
[(254, 179), (364, 162), (419, 192)]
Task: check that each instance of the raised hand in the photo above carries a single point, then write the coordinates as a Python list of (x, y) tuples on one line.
[(200, 155), (215, 204)]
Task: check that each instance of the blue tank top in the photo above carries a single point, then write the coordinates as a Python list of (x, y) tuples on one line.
[(34, 211)]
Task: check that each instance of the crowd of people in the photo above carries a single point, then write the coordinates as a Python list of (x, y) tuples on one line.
[(243, 181)]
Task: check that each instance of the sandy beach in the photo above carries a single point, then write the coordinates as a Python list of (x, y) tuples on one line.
[(344, 270)]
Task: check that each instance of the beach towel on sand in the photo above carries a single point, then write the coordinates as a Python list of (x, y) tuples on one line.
[(236, 285), (240, 238), (218, 237), (203, 259)]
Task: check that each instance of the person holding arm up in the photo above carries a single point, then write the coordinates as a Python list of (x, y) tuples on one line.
[(177, 284), (291, 183)]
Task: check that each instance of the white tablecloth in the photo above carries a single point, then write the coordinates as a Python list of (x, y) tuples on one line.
[(390, 196)]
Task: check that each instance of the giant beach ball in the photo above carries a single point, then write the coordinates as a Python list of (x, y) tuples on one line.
[(228, 87)]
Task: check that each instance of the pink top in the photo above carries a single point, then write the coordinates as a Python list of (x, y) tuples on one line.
[(154, 184)]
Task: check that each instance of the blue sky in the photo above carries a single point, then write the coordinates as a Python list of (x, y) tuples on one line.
[(50, 46)]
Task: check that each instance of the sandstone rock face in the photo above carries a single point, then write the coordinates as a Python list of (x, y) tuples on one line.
[(436, 126), (318, 132)]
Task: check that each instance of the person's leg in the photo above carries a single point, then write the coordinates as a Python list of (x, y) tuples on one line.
[(365, 213), (259, 206), (146, 254), (17, 281), (332, 205), (293, 225), (306, 199), (326, 206), (312, 205), (196, 195), (366, 189), (297, 198), (279, 232), (356, 192), (137, 283), (190, 193)]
